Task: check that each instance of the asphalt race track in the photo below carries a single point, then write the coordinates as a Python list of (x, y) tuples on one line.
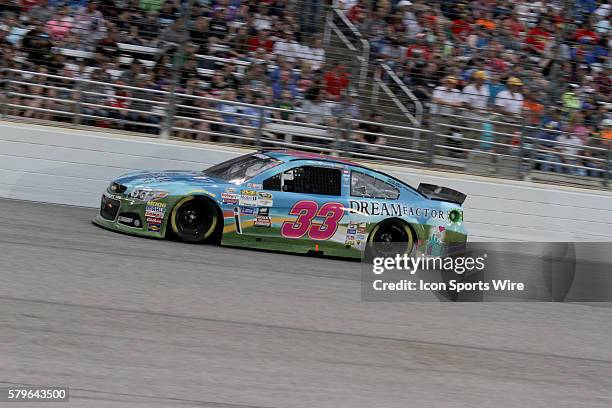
[(132, 322)]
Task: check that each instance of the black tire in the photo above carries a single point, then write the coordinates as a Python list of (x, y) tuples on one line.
[(195, 220), (390, 238)]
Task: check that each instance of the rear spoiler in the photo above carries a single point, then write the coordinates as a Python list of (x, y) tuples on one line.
[(439, 193)]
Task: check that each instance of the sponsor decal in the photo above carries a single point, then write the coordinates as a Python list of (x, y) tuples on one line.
[(146, 194), (251, 193), (113, 196), (248, 200), (229, 198), (155, 209), (350, 240), (361, 228), (154, 214), (351, 231), (391, 209), (263, 211), (263, 221), (360, 237), (247, 210), (264, 202), (156, 178), (129, 221), (264, 194), (230, 190), (254, 185)]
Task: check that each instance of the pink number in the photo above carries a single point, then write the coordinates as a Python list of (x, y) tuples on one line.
[(306, 212), (332, 212)]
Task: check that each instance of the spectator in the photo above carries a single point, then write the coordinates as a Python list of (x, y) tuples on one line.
[(218, 26), (230, 112), (285, 102), (476, 98), (548, 148), (317, 110), (94, 100), (261, 40), (314, 55), (570, 147), (199, 31), (370, 135), (142, 114), (284, 83), (90, 26), (286, 46), (336, 81), (149, 27), (446, 99)]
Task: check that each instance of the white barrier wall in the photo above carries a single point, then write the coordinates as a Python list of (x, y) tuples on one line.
[(73, 167)]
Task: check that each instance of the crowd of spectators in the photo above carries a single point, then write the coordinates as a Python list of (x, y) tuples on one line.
[(248, 51), (515, 59), (560, 58)]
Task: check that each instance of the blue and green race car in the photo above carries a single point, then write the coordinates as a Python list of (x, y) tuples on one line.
[(287, 201)]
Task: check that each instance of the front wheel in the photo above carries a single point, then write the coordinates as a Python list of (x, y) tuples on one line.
[(194, 220), (391, 238)]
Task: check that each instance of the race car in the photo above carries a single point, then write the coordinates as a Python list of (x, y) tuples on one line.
[(288, 201)]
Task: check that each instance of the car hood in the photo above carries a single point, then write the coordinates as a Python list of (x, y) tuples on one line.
[(151, 178)]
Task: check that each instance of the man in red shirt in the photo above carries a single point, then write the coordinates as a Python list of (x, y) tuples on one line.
[(585, 34), (261, 40), (461, 27), (538, 37), (336, 81)]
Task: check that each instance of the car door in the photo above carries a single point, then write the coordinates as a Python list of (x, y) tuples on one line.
[(371, 201), (305, 203)]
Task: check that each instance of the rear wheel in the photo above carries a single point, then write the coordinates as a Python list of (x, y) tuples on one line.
[(390, 238), (195, 220)]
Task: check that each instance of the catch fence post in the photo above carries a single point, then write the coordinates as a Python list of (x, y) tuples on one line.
[(259, 132), (521, 149), (431, 139), (7, 90), (608, 166), (78, 106)]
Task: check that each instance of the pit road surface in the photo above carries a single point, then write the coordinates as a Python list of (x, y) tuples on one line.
[(133, 322)]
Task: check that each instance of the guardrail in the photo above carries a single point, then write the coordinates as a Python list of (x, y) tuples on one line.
[(460, 140)]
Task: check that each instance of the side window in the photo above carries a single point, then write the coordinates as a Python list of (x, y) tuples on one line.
[(273, 183), (364, 185), (307, 180)]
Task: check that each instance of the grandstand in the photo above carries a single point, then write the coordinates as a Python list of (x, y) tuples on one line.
[(500, 88)]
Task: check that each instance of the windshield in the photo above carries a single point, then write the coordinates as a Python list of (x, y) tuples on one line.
[(242, 168)]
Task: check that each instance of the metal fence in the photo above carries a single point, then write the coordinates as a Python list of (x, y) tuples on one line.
[(458, 140)]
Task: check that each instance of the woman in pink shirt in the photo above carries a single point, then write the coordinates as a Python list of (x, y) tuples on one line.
[(59, 27)]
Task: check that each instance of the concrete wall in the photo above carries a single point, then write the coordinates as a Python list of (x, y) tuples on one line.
[(73, 167)]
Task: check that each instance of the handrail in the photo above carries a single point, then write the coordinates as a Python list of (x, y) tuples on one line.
[(418, 105), (364, 58)]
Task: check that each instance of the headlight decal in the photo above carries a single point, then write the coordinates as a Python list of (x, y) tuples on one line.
[(146, 194)]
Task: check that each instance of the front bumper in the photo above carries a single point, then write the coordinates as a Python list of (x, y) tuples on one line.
[(119, 213)]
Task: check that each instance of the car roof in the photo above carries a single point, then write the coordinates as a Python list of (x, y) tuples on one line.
[(287, 155)]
